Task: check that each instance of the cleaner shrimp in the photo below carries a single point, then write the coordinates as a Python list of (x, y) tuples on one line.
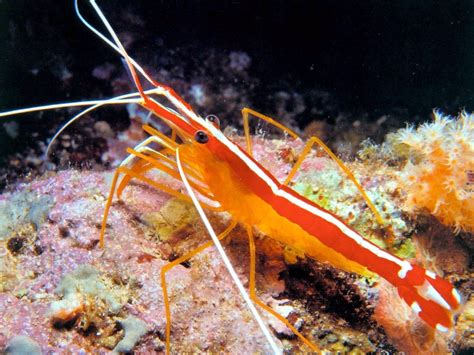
[(219, 175)]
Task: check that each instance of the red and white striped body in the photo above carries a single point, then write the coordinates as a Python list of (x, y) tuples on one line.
[(253, 196)]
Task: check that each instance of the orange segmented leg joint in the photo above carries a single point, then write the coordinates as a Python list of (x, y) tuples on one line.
[(245, 115), (171, 172), (342, 166), (178, 261), (140, 167), (156, 160), (138, 176), (253, 294), (167, 142)]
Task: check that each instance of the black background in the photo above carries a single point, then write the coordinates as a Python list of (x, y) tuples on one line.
[(373, 55)]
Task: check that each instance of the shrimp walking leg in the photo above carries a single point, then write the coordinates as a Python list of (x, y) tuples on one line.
[(128, 172), (256, 300), (159, 162), (304, 153), (149, 162), (156, 164), (164, 140), (245, 116), (155, 159), (143, 166), (178, 261), (140, 167)]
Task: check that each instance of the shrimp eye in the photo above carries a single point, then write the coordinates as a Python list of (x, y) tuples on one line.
[(201, 137), (214, 119)]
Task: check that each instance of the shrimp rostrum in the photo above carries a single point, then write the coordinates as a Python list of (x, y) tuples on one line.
[(228, 178)]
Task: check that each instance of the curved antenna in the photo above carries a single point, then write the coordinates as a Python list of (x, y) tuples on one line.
[(116, 100), (111, 101), (122, 50), (169, 93), (94, 104), (122, 99), (225, 258), (108, 41)]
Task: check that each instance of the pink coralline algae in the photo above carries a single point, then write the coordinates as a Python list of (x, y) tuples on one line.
[(48, 297)]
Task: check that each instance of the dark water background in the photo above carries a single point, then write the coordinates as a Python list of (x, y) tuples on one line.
[(371, 56)]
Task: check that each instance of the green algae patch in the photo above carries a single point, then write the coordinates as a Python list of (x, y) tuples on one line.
[(23, 208), (23, 345), (318, 196), (87, 282), (406, 250)]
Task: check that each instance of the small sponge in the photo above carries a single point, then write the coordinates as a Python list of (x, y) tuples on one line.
[(134, 329)]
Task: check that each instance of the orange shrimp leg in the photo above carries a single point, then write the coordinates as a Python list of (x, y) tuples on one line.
[(166, 169), (128, 172), (245, 116), (143, 166), (156, 159), (306, 150), (256, 300), (156, 137), (304, 153), (140, 167), (178, 261)]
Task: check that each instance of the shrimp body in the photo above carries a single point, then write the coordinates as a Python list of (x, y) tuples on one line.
[(254, 197), (246, 206)]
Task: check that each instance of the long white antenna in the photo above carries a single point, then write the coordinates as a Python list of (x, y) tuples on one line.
[(106, 40), (133, 97), (225, 258), (111, 101), (122, 99)]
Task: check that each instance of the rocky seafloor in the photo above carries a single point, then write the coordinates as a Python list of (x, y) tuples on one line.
[(60, 292)]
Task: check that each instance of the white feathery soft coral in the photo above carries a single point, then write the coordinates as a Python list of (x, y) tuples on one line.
[(408, 136)]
